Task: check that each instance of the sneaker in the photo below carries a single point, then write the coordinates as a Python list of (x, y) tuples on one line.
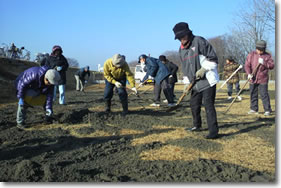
[(267, 113), (21, 126), (229, 98), (172, 104), (252, 112), (165, 101), (239, 98), (154, 105), (193, 129)]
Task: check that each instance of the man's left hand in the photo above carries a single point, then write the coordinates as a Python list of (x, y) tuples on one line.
[(261, 61)]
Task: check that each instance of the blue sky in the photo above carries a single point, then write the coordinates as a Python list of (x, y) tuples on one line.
[(93, 30)]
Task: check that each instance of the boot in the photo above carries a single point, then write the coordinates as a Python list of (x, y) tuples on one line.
[(107, 106), (125, 108)]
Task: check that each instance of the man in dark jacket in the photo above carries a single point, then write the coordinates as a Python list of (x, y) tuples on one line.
[(173, 68), (57, 61), (35, 87), (199, 62), (157, 70), (80, 78)]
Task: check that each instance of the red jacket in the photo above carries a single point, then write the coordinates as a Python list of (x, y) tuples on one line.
[(262, 74)]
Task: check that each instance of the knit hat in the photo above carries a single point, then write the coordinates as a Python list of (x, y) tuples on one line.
[(261, 44), (53, 76), (56, 47), (118, 61), (181, 29)]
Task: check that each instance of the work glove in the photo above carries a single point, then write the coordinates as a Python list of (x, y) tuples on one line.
[(240, 66), (250, 76), (185, 80), (59, 68), (150, 77), (200, 73), (21, 102), (48, 112), (261, 61), (135, 90), (118, 84), (171, 79), (48, 116), (86, 81)]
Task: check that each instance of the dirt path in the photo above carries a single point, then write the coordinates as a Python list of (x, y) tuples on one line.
[(148, 145)]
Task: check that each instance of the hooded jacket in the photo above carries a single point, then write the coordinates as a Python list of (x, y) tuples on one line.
[(56, 61), (199, 54), (33, 78), (156, 69), (113, 74), (252, 61)]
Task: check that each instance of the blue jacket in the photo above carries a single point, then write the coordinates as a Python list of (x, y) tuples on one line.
[(33, 78), (156, 69)]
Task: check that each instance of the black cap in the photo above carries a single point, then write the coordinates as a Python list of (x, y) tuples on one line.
[(181, 29), (142, 56), (162, 58)]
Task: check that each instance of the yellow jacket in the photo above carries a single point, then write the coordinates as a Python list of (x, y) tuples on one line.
[(112, 74)]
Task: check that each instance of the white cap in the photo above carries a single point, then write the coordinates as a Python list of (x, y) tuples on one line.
[(53, 76)]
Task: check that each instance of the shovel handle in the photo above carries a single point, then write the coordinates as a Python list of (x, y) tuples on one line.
[(186, 92)]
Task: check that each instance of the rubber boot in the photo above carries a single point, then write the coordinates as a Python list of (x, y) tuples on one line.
[(125, 108), (107, 106)]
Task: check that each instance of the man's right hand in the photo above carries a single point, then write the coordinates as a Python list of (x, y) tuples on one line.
[(118, 84)]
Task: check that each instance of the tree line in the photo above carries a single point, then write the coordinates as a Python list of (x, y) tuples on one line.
[(254, 22)]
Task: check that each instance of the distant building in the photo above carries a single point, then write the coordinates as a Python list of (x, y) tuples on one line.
[(100, 68)]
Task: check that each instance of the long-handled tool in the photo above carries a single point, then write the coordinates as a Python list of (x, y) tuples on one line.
[(240, 67), (186, 92), (254, 74)]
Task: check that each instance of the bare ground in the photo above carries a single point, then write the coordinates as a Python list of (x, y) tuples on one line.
[(84, 144)]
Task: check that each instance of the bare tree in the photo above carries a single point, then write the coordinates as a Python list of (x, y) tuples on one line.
[(219, 44), (256, 22), (266, 9), (72, 62)]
